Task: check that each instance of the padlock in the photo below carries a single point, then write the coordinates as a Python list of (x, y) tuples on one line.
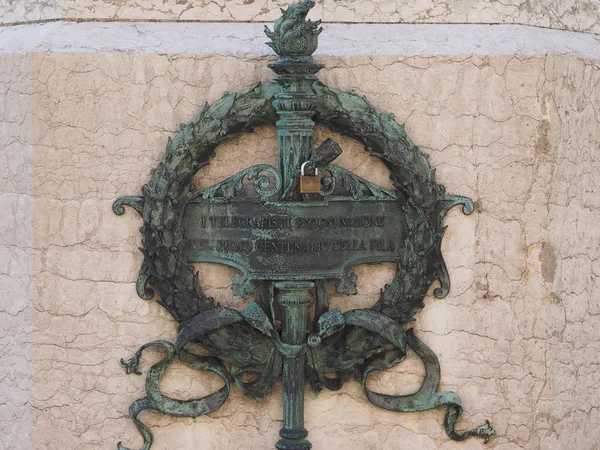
[(309, 184)]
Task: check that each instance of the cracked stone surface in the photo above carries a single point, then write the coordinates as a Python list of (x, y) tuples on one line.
[(518, 337), (16, 252), (573, 15)]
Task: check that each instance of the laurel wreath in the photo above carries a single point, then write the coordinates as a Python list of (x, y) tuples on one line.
[(165, 268)]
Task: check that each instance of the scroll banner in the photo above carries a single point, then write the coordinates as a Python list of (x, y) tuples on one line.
[(204, 323)]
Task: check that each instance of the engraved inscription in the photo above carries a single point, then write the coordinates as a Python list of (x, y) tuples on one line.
[(291, 222), (291, 246), (284, 240)]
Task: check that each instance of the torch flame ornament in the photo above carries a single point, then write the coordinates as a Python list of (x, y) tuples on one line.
[(292, 34)]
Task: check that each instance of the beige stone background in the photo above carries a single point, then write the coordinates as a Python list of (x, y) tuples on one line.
[(574, 15), (517, 338)]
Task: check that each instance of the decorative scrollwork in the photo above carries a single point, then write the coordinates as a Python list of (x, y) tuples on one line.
[(453, 200), (242, 285), (264, 185), (342, 182), (347, 284), (136, 202)]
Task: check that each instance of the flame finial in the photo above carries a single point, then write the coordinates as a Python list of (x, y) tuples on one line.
[(292, 34)]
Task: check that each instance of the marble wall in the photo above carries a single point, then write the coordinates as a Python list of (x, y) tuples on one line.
[(573, 15)]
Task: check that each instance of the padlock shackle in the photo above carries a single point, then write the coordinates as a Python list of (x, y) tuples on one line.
[(304, 164)]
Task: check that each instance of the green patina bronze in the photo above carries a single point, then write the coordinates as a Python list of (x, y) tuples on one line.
[(286, 244)]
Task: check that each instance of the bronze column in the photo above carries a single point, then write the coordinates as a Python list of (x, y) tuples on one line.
[(294, 299)]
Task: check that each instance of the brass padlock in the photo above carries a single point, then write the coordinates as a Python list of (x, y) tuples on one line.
[(309, 184)]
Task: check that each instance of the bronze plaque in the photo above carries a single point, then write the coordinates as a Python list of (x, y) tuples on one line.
[(293, 240)]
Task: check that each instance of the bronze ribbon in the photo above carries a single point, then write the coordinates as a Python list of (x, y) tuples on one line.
[(427, 396), (154, 400), (333, 321)]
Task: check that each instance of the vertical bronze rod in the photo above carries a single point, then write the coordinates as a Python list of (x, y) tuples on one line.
[(294, 39), (294, 299)]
